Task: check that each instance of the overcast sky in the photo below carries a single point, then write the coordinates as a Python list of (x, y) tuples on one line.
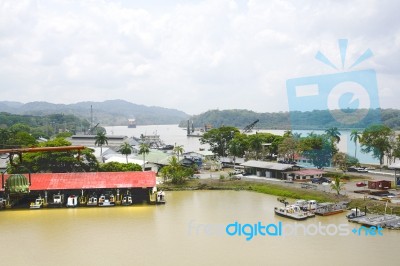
[(190, 55)]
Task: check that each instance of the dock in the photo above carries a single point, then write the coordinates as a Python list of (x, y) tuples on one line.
[(385, 221)]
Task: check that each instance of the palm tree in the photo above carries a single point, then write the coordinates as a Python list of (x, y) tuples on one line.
[(337, 185), (334, 134), (144, 149), (178, 149), (125, 149), (355, 136), (100, 140)]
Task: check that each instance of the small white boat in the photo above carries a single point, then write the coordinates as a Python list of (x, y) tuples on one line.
[(306, 205), (37, 204), (354, 213), (127, 200), (72, 201), (107, 200), (161, 197), (292, 212), (58, 201), (92, 201)]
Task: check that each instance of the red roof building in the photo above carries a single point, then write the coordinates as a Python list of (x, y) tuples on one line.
[(91, 180)]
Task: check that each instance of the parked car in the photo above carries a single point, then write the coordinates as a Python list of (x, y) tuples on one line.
[(357, 169), (320, 180), (361, 184), (236, 177)]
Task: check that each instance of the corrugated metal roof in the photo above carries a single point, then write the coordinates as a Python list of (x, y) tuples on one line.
[(267, 165), (92, 180)]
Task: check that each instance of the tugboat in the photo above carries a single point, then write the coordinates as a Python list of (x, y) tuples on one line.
[(38, 203), (72, 201), (107, 200)]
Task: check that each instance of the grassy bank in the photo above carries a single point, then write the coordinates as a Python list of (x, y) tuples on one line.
[(265, 188), (375, 206)]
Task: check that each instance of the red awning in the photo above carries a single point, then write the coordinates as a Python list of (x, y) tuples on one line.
[(91, 180)]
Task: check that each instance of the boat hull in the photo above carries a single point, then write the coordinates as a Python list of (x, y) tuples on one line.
[(328, 213), (297, 218)]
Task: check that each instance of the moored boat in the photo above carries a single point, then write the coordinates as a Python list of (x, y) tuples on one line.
[(57, 202), (306, 205), (107, 200), (2, 203), (354, 213), (127, 200), (92, 201), (329, 208), (37, 204), (161, 197), (131, 123), (72, 201), (292, 212)]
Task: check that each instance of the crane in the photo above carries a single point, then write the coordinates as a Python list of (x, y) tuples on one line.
[(249, 127)]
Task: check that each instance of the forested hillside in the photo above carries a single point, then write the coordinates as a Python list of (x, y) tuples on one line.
[(318, 119), (112, 112)]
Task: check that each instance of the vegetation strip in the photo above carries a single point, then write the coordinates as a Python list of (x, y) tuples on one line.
[(373, 206)]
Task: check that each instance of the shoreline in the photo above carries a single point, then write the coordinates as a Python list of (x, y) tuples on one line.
[(278, 190)]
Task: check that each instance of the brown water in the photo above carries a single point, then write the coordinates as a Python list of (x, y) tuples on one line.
[(174, 234)]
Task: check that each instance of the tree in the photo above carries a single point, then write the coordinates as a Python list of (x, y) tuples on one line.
[(176, 172), (317, 148), (144, 149), (100, 140), (23, 139), (355, 136), (119, 167), (178, 150), (237, 146), (256, 144), (5, 136), (337, 185), (334, 136), (339, 160), (125, 149), (58, 162), (375, 139), (218, 139), (288, 148)]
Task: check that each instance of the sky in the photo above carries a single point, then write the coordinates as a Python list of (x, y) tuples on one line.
[(194, 55)]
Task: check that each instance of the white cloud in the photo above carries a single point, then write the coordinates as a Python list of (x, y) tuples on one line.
[(191, 55)]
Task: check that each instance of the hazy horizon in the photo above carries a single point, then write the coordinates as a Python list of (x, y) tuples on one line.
[(192, 55)]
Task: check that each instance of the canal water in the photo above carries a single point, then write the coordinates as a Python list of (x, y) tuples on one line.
[(188, 230)]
